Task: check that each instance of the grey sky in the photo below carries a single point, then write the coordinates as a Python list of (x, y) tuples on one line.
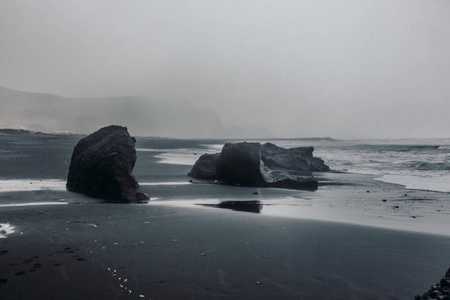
[(345, 69)]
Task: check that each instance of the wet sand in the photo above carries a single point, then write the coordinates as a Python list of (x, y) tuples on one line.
[(94, 250)]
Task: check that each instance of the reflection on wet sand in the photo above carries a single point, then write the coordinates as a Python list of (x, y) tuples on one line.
[(245, 206)]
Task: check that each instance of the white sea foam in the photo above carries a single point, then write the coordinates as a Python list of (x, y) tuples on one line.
[(415, 164), (5, 229), (19, 185), (439, 184), (182, 156), (178, 158)]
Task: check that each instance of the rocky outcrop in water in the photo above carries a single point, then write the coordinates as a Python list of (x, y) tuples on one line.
[(240, 164), (296, 159), (438, 291), (101, 166), (253, 164)]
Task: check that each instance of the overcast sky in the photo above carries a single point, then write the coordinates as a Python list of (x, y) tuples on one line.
[(291, 68)]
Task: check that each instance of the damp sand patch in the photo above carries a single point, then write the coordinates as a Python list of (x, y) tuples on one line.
[(21, 185), (32, 204), (165, 183), (306, 209)]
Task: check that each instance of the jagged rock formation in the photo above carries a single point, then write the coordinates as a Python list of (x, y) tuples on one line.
[(296, 159), (101, 166), (438, 291), (250, 164)]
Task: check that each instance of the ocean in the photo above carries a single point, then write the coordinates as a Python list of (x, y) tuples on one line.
[(422, 164)]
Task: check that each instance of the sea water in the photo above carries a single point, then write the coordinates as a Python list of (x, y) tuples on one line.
[(422, 164)]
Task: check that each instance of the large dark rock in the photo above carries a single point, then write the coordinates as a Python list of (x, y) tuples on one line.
[(440, 290), (240, 164), (296, 159), (205, 167), (250, 164), (101, 166)]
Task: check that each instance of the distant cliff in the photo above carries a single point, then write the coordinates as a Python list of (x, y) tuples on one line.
[(143, 116)]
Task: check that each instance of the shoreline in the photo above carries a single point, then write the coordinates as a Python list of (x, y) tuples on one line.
[(95, 250), (342, 197)]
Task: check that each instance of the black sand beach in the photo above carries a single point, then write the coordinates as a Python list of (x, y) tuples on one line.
[(88, 249)]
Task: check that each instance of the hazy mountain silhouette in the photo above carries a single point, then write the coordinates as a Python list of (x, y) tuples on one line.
[(142, 116)]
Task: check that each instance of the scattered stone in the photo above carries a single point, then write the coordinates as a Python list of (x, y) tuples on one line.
[(37, 266), (101, 166), (27, 261)]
